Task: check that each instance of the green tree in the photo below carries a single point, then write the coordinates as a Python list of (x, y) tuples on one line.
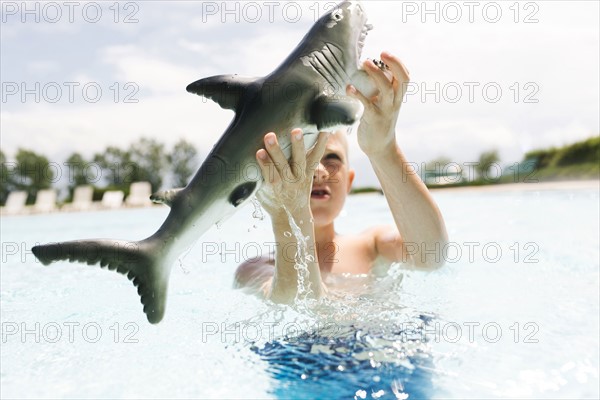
[(33, 173), (486, 160), (442, 170), (145, 160), (7, 183), (79, 172), (116, 166), (149, 159), (540, 158), (184, 162), (585, 151), (433, 168)]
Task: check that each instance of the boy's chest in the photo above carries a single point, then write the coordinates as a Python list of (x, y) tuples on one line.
[(348, 255)]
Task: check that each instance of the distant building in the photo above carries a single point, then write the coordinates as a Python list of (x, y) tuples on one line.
[(442, 174)]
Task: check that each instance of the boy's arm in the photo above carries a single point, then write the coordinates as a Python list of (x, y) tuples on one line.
[(284, 284), (422, 232), (286, 190)]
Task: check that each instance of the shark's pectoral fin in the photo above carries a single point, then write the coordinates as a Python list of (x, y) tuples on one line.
[(331, 112), (136, 260), (165, 197), (225, 90)]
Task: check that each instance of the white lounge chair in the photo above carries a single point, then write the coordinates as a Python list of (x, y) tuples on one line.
[(45, 201), (15, 203), (82, 199), (139, 195), (112, 199)]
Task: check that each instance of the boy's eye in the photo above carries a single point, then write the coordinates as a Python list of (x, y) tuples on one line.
[(331, 157), (332, 167)]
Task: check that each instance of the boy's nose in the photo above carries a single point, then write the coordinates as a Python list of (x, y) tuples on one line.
[(321, 174)]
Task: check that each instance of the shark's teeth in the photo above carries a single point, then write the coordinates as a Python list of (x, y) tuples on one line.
[(363, 35)]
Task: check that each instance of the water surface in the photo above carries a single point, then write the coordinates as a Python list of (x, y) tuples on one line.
[(514, 313)]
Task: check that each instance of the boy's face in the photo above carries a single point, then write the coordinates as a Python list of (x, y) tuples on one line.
[(332, 180)]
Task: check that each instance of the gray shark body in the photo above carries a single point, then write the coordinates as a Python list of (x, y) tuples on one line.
[(306, 91)]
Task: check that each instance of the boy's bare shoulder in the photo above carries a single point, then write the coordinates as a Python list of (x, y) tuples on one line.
[(386, 241), (379, 233), (253, 270)]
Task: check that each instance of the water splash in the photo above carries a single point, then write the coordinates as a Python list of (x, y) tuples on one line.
[(258, 210), (352, 341), (301, 260), (181, 260)]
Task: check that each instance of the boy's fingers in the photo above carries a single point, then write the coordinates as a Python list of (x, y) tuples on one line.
[(277, 157), (313, 158), (298, 150), (401, 75), (381, 79), (357, 94), (266, 166), (398, 68)]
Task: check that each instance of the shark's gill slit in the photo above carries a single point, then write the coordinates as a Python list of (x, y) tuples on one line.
[(317, 65), (322, 59), (335, 62)]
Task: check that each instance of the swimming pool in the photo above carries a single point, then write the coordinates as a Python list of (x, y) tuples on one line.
[(514, 313)]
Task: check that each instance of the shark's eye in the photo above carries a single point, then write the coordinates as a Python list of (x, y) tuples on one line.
[(337, 15), (241, 193)]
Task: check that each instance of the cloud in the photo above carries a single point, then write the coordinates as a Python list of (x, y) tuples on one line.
[(197, 47), (89, 128), (151, 73), (171, 46), (42, 67)]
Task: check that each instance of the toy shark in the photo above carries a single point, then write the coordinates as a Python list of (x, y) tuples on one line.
[(307, 91)]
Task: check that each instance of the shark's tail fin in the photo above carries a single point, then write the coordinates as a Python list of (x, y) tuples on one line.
[(134, 259)]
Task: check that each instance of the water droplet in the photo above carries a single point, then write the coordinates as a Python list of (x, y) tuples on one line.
[(180, 259), (258, 211), (185, 270)]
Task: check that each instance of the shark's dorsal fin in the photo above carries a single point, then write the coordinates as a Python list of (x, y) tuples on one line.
[(165, 196), (225, 90), (328, 112)]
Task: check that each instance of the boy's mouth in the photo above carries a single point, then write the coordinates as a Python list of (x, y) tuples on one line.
[(320, 194)]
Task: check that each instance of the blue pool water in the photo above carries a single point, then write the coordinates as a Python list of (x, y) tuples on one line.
[(514, 313)]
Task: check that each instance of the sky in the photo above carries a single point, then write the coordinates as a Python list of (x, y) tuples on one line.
[(505, 75)]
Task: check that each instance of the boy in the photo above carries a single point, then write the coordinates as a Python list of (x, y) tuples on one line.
[(316, 192)]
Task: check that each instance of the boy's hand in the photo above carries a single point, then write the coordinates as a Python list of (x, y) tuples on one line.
[(376, 131), (288, 183)]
